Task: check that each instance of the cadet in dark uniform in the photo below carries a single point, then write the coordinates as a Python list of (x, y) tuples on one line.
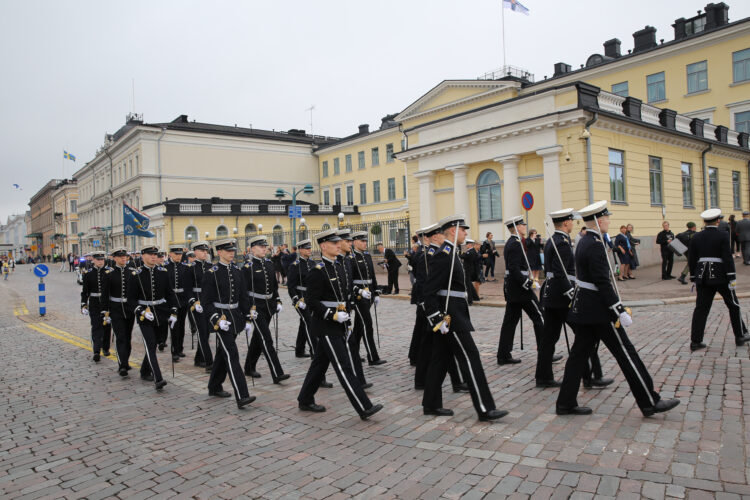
[(155, 307), (364, 294), (448, 312), (181, 279), (597, 313), (419, 265), (120, 310), (95, 304), (326, 299), (712, 270), (199, 268), (263, 290), (297, 286), (227, 309), (519, 292)]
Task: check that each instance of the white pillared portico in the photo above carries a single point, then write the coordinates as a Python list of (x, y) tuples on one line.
[(552, 182)]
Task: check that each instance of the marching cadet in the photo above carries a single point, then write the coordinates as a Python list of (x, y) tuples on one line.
[(227, 309), (327, 301), (120, 311), (519, 292), (263, 290), (297, 286), (181, 280), (95, 305), (364, 294), (712, 270), (155, 307), (557, 292), (201, 265), (598, 313), (418, 260), (448, 312)]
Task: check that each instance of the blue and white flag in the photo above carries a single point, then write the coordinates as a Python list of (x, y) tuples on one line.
[(135, 223), (515, 5)]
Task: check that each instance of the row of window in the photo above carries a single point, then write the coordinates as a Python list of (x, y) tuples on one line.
[(121, 172), (617, 182), (374, 155), (363, 192), (222, 231), (697, 78)]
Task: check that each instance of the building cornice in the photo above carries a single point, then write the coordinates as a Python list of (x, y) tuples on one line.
[(346, 143)]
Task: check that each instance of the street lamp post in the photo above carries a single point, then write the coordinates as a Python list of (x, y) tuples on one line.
[(281, 193), (341, 218)]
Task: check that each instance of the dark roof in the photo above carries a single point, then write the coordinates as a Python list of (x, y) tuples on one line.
[(223, 201), (388, 122), (172, 207)]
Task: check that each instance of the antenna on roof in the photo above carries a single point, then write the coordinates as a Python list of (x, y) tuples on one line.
[(133, 88), (310, 109)]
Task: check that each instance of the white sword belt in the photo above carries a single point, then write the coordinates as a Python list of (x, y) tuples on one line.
[(152, 302), (587, 285), (572, 279), (118, 299), (225, 306), (710, 259), (452, 293), (260, 295)]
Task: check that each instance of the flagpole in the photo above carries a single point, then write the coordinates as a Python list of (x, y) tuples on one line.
[(502, 15)]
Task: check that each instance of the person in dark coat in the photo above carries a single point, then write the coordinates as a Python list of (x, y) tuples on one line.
[(623, 251), (489, 253), (663, 239), (533, 246), (685, 238), (634, 242), (391, 264), (471, 265)]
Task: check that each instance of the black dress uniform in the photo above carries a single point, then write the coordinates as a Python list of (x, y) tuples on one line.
[(597, 311), (121, 312), (419, 272), (460, 341), (296, 283), (224, 297), (181, 279), (519, 296), (326, 295), (352, 344), (94, 297), (150, 290), (712, 270), (203, 355), (363, 278)]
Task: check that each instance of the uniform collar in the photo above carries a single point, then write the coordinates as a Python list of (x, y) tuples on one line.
[(434, 245), (225, 265), (711, 227), (329, 260)]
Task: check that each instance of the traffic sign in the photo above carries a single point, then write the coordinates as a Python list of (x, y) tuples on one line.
[(295, 212), (33, 248), (96, 243), (41, 270), (527, 200)]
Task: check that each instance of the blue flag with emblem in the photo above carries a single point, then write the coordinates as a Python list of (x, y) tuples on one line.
[(515, 5), (135, 223)]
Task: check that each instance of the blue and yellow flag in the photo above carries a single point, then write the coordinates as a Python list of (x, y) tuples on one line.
[(68, 156), (134, 222)]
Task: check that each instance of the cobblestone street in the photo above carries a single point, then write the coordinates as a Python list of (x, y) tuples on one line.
[(75, 429)]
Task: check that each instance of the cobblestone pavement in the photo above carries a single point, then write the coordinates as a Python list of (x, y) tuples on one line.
[(75, 429)]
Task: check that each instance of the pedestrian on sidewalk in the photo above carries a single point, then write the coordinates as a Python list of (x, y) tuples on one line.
[(663, 239), (533, 245), (622, 245), (733, 241), (391, 264), (489, 254), (685, 238), (634, 242), (743, 235)]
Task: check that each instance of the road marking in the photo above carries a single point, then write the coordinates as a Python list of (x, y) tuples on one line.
[(68, 337)]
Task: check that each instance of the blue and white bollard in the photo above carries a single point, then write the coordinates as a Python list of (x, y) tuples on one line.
[(41, 270)]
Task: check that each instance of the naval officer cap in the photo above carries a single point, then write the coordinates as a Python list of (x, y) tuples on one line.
[(229, 244), (431, 230), (176, 248), (190, 253), (469, 241), (97, 255), (345, 234), (120, 252), (327, 235), (259, 240), (305, 244), (515, 221), (595, 210), (359, 235), (200, 245), (452, 221), (562, 215), (150, 249), (711, 215)]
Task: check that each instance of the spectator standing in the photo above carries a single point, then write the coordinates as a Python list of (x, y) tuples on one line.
[(685, 237), (634, 242), (734, 244), (663, 239), (533, 245), (622, 246), (743, 235), (391, 264), (488, 250)]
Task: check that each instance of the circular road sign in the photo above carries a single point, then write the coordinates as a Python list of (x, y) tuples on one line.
[(527, 200), (41, 270)]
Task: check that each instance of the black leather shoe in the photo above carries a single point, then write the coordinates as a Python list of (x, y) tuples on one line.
[(301, 355), (160, 384), (245, 401), (367, 385), (209, 368), (418, 387), (508, 361), (543, 384), (492, 415), (219, 394), (252, 373), (741, 340), (461, 388), (162, 346), (370, 412), (281, 378), (200, 364), (681, 279), (96, 358), (105, 353), (576, 410), (147, 378), (378, 362), (326, 384), (182, 354), (439, 412), (312, 407), (175, 358), (123, 372), (660, 407), (694, 346), (556, 358), (598, 382)]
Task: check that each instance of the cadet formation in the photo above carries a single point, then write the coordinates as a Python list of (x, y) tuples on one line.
[(337, 297)]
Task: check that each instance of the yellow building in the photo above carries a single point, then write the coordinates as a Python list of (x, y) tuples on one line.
[(65, 208)]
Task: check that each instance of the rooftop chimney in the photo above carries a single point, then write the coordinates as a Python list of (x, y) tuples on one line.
[(181, 119), (717, 14), (364, 129), (612, 48), (561, 68), (644, 39)]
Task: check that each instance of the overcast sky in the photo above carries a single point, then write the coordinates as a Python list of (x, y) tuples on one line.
[(68, 66)]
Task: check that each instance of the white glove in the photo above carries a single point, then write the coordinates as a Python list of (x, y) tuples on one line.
[(253, 314), (224, 324), (366, 294), (172, 320), (85, 311), (249, 328), (625, 319), (148, 315), (444, 328), (278, 308), (732, 284), (376, 300), (198, 308), (341, 316), (301, 304)]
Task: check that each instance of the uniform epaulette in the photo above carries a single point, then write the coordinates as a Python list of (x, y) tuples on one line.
[(268, 260), (319, 265), (446, 249), (296, 262), (136, 271), (248, 265), (161, 268), (85, 271), (107, 270), (431, 251), (213, 269), (366, 252)]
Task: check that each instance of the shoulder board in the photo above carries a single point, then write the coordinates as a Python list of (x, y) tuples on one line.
[(268, 260), (107, 271), (213, 269), (247, 265), (136, 271), (319, 265), (296, 262), (86, 271), (431, 251), (161, 268), (366, 252), (446, 249)]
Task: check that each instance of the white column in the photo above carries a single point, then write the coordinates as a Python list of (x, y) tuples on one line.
[(460, 190), (426, 197), (552, 183), (511, 189)]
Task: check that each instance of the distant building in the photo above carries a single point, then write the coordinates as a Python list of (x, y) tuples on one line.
[(42, 230), (14, 232), (65, 206)]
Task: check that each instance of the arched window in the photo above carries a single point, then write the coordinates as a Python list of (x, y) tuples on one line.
[(325, 227), (489, 196), (278, 235), (302, 234), (191, 234), (250, 231), (222, 231)]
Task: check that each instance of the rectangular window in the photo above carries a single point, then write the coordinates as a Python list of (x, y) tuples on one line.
[(697, 77), (742, 121), (736, 191), (687, 185), (325, 170), (375, 157), (713, 187), (337, 196), (350, 195), (74, 207), (655, 87), (741, 65), (696, 26), (389, 153), (376, 191), (655, 180), (73, 228), (326, 197), (336, 166), (391, 188), (403, 181), (361, 160), (362, 193), (348, 163), (620, 89), (617, 175)]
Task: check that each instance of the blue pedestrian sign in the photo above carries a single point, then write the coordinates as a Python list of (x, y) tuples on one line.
[(41, 270), (295, 212), (527, 200), (96, 243)]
